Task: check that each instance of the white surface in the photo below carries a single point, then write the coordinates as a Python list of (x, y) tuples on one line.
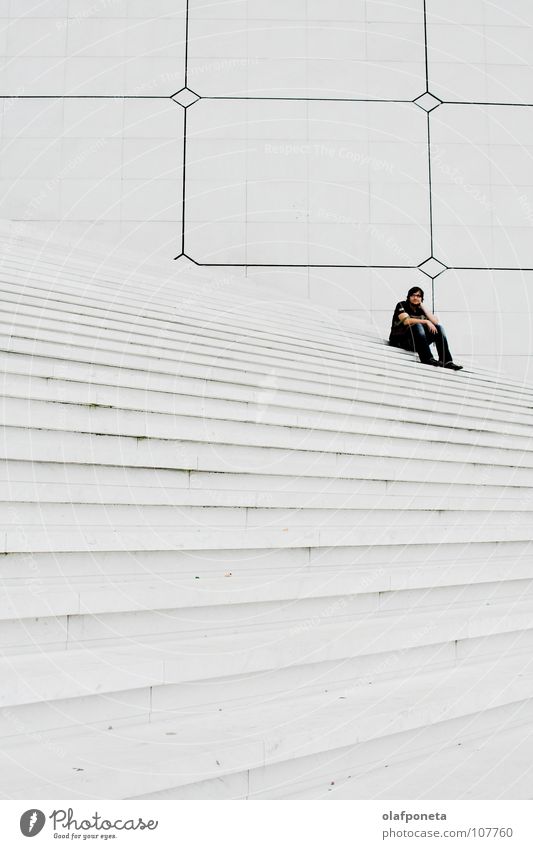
[(332, 188), (103, 49), (479, 51), (302, 50), (90, 168), (482, 212)]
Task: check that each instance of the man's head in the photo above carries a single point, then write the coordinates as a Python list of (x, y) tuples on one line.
[(415, 295)]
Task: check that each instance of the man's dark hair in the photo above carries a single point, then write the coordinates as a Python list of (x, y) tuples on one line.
[(413, 290)]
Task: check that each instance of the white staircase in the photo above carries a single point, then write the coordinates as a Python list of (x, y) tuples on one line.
[(248, 550)]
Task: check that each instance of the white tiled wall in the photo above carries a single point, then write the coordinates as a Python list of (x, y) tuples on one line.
[(309, 183), (99, 48), (105, 169), (480, 50), (490, 313), (305, 153), (307, 49)]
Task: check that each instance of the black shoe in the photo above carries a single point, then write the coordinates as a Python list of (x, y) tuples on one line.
[(432, 362), (453, 366)]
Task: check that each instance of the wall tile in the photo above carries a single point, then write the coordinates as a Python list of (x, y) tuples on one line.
[(88, 36), (216, 242), (150, 200), (465, 204), (279, 200), (276, 283), (475, 291), (150, 158), (91, 118), (158, 8), (29, 200), (153, 37), (153, 240), (96, 76), (30, 158), (496, 216), (152, 76), (153, 119), (480, 51), (40, 8), (215, 200), (325, 170), (30, 36), (113, 48), (29, 75), (517, 367), (208, 158), (81, 10), (87, 159), (366, 290), (465, 246), (30, 118), (298, 50), (90, 152), (90, 199), (278, 242)]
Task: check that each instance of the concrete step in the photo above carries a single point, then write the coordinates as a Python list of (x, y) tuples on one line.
[(304, 309), (197, 334), (359, 364), (179, 294), (113, 421), (153, 757), (319, 776), (385, 589), (399, 567), (29, 239), (34, 480), (437, 378), (27, 527), (181, 309), (263, 390), (181, 454), (123, 517), (58, 343), (382, 566), (226, 534), (178, 301), (251, 689), (490, 766), (342, 773), (268, 405), (92, 659), (183, 406), (28, 491), (337, 320)]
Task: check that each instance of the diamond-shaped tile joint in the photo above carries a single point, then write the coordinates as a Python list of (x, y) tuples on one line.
[(185, 97), (427, 101), (432, 267)]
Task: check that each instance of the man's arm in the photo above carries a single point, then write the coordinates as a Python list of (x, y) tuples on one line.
[(407, 320)]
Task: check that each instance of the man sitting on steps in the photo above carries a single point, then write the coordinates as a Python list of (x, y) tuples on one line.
[(414, 328)]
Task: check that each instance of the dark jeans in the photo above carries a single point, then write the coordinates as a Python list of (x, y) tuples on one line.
[(418, 338)]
